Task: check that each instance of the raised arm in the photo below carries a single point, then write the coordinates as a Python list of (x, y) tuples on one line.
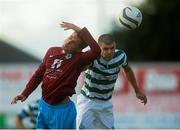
[(85, 35), (68, 26), (88, 39)]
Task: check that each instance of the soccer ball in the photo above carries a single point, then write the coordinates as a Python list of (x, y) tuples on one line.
[(130, 17)]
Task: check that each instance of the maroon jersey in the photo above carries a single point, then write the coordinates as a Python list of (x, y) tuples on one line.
[(59, 70)]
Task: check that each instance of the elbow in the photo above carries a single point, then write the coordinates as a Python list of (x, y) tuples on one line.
[(97, 52)]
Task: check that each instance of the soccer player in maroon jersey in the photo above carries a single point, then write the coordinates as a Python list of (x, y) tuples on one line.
[(58, 73)]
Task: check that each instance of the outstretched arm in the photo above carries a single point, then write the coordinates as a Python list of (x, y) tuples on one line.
[(131, 77), (31, 85)]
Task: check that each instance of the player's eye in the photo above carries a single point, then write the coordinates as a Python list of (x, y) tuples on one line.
[(105, 49)]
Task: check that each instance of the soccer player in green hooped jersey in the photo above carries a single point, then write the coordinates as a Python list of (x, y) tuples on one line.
[(93, 104)]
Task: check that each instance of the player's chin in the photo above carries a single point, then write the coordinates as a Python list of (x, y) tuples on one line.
[(109, 58)]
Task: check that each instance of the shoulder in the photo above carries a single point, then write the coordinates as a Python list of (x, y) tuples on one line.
[(54, 48), (54, 51), (119, 53)]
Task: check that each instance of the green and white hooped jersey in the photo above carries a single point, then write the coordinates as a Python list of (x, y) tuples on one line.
[(101, 76)]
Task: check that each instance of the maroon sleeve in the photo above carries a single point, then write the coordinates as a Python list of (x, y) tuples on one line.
[(94, 52), (34, 81), (36, 78)]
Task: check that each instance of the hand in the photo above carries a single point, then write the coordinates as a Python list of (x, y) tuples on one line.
[(68, 26), (142, 97), (19, 97)]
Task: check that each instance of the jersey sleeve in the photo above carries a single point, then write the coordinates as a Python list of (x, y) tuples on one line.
[(125, 61), (88, 56), (36, 78)]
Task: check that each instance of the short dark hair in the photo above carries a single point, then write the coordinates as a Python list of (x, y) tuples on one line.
[(106, 39)]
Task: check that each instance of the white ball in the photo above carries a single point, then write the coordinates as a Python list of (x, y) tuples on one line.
[(130, 17)]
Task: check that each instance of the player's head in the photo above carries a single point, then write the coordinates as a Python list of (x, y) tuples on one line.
[(108, 45), (73, 43)]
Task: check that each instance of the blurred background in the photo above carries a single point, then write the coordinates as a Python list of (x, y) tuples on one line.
[(29, 27)]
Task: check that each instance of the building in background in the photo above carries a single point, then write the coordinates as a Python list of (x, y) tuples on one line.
[(16, 66), (11, 54)]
